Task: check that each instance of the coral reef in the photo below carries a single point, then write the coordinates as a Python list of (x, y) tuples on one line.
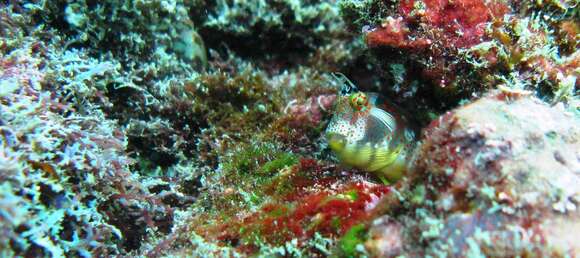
[(454, 46), (285, 30), (304, 200), (166, 128), (285, 206), (433, 33), (61, 168), (453, 24), (121, 139), (123, 28)]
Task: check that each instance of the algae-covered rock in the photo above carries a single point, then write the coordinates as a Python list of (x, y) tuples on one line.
[(502, 178), (266, 29), (521, 144), (516, 160), (135, 30), (194, 128), (457, 49)]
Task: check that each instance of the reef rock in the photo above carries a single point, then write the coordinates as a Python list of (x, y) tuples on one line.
[(514, 160), (501, 177)]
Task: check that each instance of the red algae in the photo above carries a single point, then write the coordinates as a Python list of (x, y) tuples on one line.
[(330, 213), (307, 176), (437, 29), (456, 24), (462, 21), (308, 199), (395, 33)]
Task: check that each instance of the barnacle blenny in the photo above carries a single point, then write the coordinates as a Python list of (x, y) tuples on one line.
[(363, 135)]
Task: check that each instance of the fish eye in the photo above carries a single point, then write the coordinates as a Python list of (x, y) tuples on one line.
[(358, 101)]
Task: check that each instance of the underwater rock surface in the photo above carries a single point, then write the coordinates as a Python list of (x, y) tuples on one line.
[(499, 171), (191, 128)]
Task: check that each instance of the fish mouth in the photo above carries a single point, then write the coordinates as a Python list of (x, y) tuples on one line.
[(336, 142)]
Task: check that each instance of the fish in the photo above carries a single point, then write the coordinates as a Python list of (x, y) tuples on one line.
[(364, 135)]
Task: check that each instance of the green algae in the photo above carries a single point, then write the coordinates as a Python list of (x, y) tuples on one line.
[(282, 161), (352, 239)]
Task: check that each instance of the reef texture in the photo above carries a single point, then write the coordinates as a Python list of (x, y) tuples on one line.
[(482, 187), (459, 49), (195, 128)]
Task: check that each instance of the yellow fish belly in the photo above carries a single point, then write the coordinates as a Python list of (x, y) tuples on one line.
[(384, 162)]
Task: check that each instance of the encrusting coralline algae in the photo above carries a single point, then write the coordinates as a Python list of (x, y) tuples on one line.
[(167, 128)]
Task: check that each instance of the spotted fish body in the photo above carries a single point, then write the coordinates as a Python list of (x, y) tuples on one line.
[(363, 135)]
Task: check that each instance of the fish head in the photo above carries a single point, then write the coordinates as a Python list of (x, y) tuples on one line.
[(356, 119)]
